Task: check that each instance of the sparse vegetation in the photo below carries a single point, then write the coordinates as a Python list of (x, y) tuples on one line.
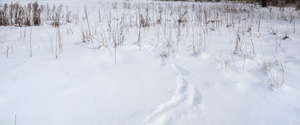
[(56, 60), (177, 26)]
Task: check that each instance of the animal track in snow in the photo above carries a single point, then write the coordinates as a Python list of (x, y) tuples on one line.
[(185, 98)]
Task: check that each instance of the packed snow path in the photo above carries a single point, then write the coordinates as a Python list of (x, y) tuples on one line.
[(186, 98)]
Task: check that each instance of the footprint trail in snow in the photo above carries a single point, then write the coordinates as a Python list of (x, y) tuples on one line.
[(184, 100)]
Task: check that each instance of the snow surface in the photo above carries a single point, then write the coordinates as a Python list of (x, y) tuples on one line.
[(84, 85)]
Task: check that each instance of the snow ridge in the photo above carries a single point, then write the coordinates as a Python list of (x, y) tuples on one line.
[(186, 98)]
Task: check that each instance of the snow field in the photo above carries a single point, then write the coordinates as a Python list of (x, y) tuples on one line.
[(153, 63)]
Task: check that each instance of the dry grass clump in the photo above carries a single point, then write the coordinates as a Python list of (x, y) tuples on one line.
[(15, 14), (20, 15), (275, 72)]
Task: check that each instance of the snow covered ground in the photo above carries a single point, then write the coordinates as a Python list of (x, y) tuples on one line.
[(153, 63)]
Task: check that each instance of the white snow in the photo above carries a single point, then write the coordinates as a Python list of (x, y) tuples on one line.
[(154, 83)]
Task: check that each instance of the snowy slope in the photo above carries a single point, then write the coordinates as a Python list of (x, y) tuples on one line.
[(158, 81)]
